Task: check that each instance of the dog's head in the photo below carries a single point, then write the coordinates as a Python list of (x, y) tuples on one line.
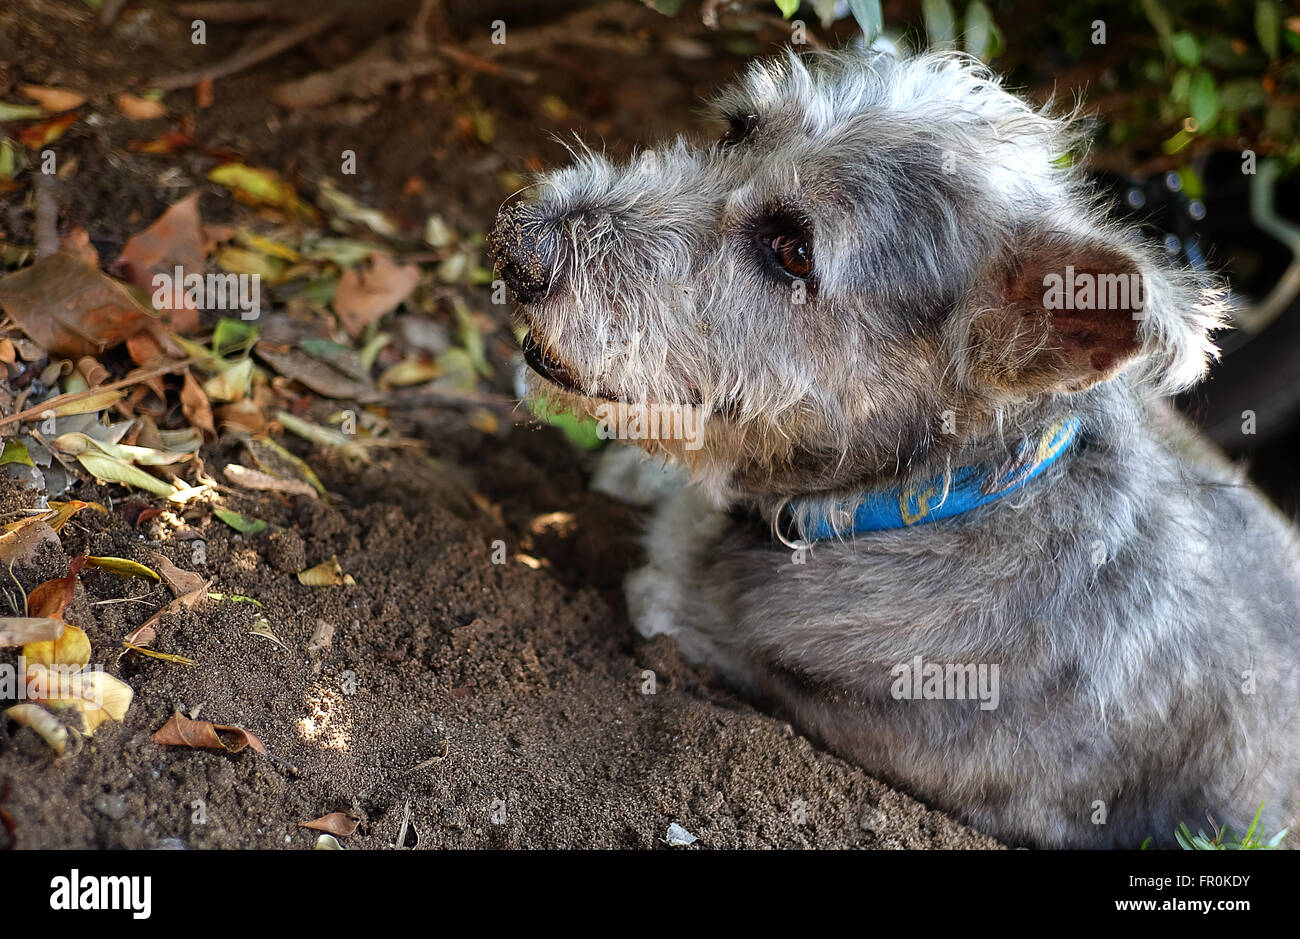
[(876, 261)]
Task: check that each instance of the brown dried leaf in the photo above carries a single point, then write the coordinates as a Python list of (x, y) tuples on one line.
[(70, 307), (174, 240), (197, 410), (182, 583), (40, 135), (140, 109), (52, 597), (335, 823), (54, 99), (315, 374), (363, 295), (23, 541), (265, 482), (180, 731)]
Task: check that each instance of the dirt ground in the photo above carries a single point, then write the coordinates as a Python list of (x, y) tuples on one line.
[(469, 703)]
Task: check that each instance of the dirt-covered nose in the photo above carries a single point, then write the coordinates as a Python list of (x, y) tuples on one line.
[(526, 251)]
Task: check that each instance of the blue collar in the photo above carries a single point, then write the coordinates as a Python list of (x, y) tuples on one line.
[(968, 488)]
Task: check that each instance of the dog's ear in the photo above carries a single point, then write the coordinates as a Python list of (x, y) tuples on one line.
[(1062, 315)]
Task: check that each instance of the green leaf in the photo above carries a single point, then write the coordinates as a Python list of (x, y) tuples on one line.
[(110, 469), (1186, 49), (1243, 94), (1159, 19), (15, 452), (787, 7), (233, 335), (1268, 25), (19, 112), (825, 10), (240, 523), (940, 23), (1203, 100), (583, 433), (981, 36), (871, 19)]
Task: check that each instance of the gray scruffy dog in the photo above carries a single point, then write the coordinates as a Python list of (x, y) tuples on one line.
[(940, 516)]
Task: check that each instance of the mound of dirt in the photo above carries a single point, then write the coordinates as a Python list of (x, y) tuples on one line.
[(487, 704)]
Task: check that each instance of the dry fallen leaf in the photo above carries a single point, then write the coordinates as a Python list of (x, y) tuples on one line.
[(43, 722), (181, 583), (54, 99), (71, 308), (166, 657), (197, 409), (174, 240), (23, 541), (140, 109), (339, 824), (180, 731), (315, 374), (100, 697), (52, 597), (364, 295), (41, 135), (259, 481), (326, 574), (72, 647)]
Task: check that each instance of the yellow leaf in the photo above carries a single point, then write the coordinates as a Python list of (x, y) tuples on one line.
[(177, 659), (72, 648), (123, 567), (89, 404), (100, 697), (65, 510), (326, 574), (43, 722)]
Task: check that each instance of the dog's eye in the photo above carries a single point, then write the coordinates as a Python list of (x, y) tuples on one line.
[(739, 127), (793, 253)]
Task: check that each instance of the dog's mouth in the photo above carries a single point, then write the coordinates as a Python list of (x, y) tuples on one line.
[(544, 363)]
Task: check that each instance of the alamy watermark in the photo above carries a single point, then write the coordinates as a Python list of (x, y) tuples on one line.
[(919, 680), (620, 420), (1089, 291), (240, 293)]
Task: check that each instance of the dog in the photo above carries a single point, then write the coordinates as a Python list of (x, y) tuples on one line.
[(939, 514)]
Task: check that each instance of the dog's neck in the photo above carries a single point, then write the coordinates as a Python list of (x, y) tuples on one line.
[(1029, 450), (943, 496)]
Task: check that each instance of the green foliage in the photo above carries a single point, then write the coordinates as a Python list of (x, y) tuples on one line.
[(1180, 77), (1224, 839)]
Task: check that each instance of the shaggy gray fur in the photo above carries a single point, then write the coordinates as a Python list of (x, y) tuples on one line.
[(1138, 599)]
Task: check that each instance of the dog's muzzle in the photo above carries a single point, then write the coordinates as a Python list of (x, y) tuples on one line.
[(526, 252)]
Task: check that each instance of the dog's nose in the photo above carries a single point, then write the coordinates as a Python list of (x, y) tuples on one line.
[(525, 250)]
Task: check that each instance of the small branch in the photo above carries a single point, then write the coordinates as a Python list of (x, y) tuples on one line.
[(247, 58), (134, 378), (47, 216), (111, 11)]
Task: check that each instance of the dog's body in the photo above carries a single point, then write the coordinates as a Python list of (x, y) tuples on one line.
[(850, 290)]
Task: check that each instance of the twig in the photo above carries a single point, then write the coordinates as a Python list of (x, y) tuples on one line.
[(54, 452), (47, 216), (233, 11), (250, 57), (111, 11), (133, 379), (419, 399)]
